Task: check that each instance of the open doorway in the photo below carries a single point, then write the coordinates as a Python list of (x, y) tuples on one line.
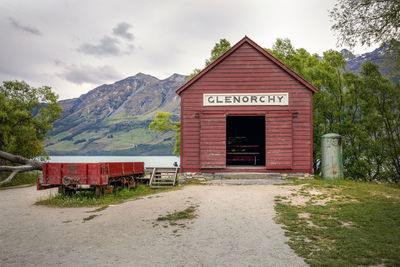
[(245, 140)]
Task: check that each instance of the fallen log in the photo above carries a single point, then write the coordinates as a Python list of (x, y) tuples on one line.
[(29, 165)]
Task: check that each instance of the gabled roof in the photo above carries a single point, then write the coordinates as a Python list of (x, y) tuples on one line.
[(258, 48)]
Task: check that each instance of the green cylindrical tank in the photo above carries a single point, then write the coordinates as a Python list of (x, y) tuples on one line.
[(331, 156)]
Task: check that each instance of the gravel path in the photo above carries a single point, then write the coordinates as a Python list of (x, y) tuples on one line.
[(234, 227), (249, 181)]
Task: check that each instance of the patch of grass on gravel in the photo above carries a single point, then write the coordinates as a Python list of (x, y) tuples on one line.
[(91, 217), (186, 214), (358, 225), (98, 209), (88, 199), (24, 178)]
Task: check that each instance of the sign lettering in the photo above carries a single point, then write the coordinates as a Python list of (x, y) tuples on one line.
[(254, 99)]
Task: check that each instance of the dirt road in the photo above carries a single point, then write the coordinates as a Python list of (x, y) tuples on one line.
[(234, 227)]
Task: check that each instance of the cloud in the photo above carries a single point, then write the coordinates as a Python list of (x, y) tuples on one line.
[(28, 29), (80, 74), (121, 30), (108, 46)]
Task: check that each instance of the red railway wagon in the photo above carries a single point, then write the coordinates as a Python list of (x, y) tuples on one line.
[(102, 177)]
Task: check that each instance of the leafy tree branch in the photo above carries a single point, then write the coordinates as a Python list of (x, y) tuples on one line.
[(26, 116)]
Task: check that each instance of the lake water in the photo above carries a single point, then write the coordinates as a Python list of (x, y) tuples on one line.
[(149, 161)]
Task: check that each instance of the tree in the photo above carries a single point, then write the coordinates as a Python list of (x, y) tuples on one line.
[(26, 116), (366, 21), (163, 123), (363, 109), (29, 165), (219, 48), (381, 101)]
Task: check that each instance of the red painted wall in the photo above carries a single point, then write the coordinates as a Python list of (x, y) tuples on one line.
[(288, 128)]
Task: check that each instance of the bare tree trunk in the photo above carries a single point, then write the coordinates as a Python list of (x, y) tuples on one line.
[(29, 165), (3, 175)]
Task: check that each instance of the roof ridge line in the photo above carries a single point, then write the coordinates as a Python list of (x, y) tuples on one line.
[(246, 39)]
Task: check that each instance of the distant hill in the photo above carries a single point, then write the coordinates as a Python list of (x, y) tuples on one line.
[(377, 56), (113, 119)]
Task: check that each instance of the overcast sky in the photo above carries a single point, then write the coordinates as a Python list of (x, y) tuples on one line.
[(74, 46)]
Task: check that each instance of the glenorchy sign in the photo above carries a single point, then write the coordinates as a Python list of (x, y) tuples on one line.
[(261, 99)]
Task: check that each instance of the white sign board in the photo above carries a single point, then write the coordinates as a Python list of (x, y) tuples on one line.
[(257, 99)]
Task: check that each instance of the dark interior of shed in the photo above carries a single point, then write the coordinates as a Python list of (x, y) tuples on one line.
[(245, 140)]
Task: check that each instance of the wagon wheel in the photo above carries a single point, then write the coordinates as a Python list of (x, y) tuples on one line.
[(66, 191), (131, 183), (71, 191), (98, 191), (123, 183), (108, 189), (61, 190)]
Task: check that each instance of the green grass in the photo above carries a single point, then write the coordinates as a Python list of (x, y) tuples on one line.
[(186, 214), (121, 140), (194, 182), (359, 223), (91, 217), (25, 178), (99, 209), (88, 199), (65, 146)]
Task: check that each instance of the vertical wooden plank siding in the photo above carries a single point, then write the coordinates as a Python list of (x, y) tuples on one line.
[(213, 141), (246, 70), (190, 139), (279, 140)]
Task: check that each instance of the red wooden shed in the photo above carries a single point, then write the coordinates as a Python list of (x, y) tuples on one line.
[(247, 111)]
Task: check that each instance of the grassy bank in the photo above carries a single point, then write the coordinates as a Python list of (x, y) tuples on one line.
[(88, 199), (25, 178), (332, 223)]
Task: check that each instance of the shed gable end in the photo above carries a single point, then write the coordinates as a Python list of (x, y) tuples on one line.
[(247, 67), (247, 54)]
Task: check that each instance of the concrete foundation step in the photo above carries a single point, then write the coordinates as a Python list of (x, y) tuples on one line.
[(247, 175), (249, 181), (270, 178)]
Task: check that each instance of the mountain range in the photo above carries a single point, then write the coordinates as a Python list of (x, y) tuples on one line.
[(377, 56), (113, 119)]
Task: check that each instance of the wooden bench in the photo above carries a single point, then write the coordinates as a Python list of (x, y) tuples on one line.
[(243, 156), (243, 146)]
